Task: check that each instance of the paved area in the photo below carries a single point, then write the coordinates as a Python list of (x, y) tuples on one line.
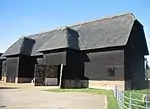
[(32, 98)]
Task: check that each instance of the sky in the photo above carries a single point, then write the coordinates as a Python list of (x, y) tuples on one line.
[(20, 18)]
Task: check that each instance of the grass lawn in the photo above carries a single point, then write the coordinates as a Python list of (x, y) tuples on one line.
[(137, 96), (112, 102)]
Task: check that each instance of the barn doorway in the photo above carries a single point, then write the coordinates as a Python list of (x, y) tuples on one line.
[(47, 75)]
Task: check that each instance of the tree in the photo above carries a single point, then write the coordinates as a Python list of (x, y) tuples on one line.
[(147, 68)]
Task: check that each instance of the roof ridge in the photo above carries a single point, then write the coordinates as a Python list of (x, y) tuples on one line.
[(104, 18), (55, 35), (82, 23), (43, 32)]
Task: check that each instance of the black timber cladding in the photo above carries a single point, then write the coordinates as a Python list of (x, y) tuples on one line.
[(0, 67), (56, 57), (74, 68), (134, 57), (12, 64), (4, 68), (93, 65), (26, 67), (100, 62)]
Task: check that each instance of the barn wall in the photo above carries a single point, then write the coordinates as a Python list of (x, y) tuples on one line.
[(90, 69), (12, 64), (99, 64), (74, 64), (26, 69), (134, 59), (3, 70), (0, 69), (73, 74), (40, 61), (55, 58)]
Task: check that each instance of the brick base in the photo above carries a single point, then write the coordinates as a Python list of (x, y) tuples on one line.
[(51, 81), (94, 84), (106, 84), (75, 83), (19, 80), (23, 80)]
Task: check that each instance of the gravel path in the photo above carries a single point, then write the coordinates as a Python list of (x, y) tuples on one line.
[(36, 99)]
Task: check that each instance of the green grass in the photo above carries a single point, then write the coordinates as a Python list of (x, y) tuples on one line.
[(140, 91), (112, 102), (136, 94)]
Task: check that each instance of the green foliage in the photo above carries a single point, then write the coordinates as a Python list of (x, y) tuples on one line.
[(148, 73)]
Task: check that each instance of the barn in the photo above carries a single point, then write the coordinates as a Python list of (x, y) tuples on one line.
[(0, 67), (96, 54)]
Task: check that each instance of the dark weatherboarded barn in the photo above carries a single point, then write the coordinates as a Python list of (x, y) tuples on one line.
[(0, 67), (96, 54)]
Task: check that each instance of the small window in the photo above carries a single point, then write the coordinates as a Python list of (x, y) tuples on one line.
[(111, 71)]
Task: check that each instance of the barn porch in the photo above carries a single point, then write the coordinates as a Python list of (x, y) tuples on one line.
[(55, 75), (47, 75)]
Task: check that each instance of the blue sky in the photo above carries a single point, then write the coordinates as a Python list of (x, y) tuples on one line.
[(24, 17)]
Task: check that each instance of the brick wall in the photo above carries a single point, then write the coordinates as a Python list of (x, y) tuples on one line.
[(106, 84)]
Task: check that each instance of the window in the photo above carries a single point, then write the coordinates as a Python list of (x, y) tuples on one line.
[(111, 71)]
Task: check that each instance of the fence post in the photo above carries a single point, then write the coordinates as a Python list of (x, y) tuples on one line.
[(146, 101), (115, 91), (123, 100), (130, 105), (118, 94)]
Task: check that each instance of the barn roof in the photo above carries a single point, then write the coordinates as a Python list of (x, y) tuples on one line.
[(108, 32), (57, 41), (66, 37), (21, 46), (2, 57)]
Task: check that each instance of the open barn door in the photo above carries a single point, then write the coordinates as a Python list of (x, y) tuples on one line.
[(39, 75), (47, 75), (52, 76)]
